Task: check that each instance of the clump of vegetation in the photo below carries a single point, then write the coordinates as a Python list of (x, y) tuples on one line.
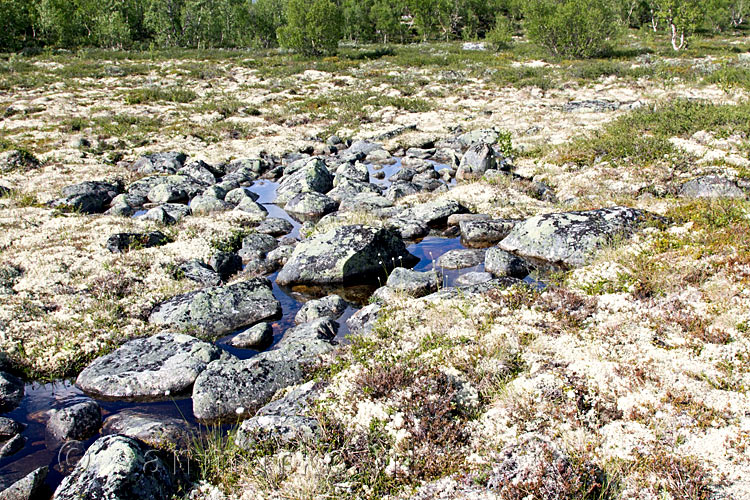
[(160, 94), (312, 28), (231, 243)]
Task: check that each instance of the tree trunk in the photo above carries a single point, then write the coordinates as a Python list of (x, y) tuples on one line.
[(677, 47)]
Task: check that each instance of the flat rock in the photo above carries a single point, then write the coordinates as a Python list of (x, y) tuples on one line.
[(347, 254), (460, 258), (363, 320), (472, 278), (711, 186), (156, 431), (149, 368), (117, 468), (570, 238), (217, 311), (591, 106), (331, 306), (79, 421), (12, 446), (275, 226)]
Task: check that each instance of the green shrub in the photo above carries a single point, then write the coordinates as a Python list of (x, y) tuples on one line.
[(572, 28), (313, 28), (501, 34)]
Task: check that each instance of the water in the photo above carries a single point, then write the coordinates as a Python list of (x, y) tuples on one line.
[(40, 398)]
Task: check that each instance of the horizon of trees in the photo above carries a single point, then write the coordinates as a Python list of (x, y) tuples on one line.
[(316, 26)]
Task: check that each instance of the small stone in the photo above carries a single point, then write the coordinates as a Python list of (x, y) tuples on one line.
[(78, 422), (331, 306), (258, 336)]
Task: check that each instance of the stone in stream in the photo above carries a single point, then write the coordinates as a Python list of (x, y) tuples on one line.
[(404, 174), (251, 207), (117, 468), (399, 189), (79, 421), (347, 188), (433, 214), (12, 446), (711, 186), (366, 202), (220, 310), (11, 392), (570, 238), (200, 272), (257, 336), (500, 263), (310, 206), (414, 283), (460, 258), (277, 257), (227, 389), (313, 176), (162, 163), (121, 242), (256, 245), (156, 431), (226, 264), (283, 421), (89, 197), (408, 229), (275, 226), (348, 254), (331, 306), (353, 171), (236, 196), (27, 488), (9, 427), (484, 232), (152, 367)]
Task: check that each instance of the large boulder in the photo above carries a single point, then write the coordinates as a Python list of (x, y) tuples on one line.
[(475, 162), (228, 389), (347, 254), (711, 186), (151, 367), (314, 176), (570, 238), (89, 197), (117, 468), (217, 311)]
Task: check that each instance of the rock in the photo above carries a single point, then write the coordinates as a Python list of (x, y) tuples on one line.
[(167, 189), (501, 263), (460, 258), (226, 264), (256, 245), (570, 238), (711, 186), (485, 136), (9, 428), (204, 204), (475, 162), (399, 189), (236, 196), (87, 197), (255, 165), (473, 278), (9, 276), (159, 163), (167, 363), (217, 311), (18, 160), (348, 188), (12, 446), (434, 214), (314, 176), (414, 283), (78, 422), (120, 242), (310, 206), (331, 306), (11, 392), (279, 256), (156, 431), (591, 106), (5, 191), (408, 229), (481, 46), (201, 171), (353, 171), (365, 202), (468, 291), (405, 174), (117, 468), (258, 336), (362, 147), (27, 488), (457, 219), (347, 254), (275, 226), (199, 272), (169, 213), (484, 232), (363, 320), (248, 206)]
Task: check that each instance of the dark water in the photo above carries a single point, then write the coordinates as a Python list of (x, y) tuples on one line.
[(40, 398)]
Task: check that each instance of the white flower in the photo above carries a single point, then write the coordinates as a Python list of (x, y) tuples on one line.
[(240, 410)]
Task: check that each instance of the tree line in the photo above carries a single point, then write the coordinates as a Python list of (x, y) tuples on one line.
[(568, 27)]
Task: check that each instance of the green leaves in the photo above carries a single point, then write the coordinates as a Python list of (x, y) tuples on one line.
[(312, 28)]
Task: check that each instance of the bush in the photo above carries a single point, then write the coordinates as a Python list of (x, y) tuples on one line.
[(312, 28), (573, 28), (501, 35)]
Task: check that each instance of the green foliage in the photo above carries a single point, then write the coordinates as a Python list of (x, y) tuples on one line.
[(156, 94), (682, 18), (501, 35), (312, 28), (572, 28)]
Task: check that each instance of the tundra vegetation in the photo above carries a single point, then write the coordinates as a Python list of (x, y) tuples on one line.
[(625, 377)]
